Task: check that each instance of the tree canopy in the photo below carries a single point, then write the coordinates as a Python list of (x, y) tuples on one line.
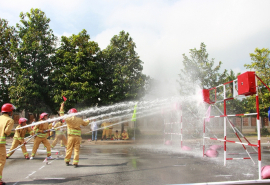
[(8, 41), (199, 70), (261, 64), (122, 77), (36, 46), (37, 68), (75, 71)]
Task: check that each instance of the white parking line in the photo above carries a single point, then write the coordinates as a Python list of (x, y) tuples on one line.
[(248, 174), (41, 167), (30, 174)]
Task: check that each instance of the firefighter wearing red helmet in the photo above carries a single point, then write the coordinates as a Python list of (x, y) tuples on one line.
[(59, 132), (41, 131), (73, 110), (18, 138), (6, 125), (74, 137), (41, 117)]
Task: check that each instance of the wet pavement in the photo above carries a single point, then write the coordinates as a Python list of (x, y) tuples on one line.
[(130, 164)]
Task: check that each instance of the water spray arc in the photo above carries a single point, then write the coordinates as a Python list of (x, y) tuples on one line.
[(127, 106), (141, 115)]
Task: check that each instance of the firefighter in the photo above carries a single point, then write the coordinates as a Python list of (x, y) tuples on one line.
[(59, 132), (41, 130), (18, 138), (51, 133), (105, 130), (117, 136), (125, 135), (74, 137), (6, 125), (110, 128)]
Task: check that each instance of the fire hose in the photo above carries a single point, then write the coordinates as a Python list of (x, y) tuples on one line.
[(30, 137), (22, 144)]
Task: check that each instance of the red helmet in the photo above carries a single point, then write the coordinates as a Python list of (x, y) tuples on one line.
[(73, 110), (21, 120), (43, 115), (8, 107)]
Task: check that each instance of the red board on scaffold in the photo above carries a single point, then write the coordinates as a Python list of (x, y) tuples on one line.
[(206, 96), (246, 83)]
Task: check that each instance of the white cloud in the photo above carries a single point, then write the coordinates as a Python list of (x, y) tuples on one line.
[(163, 30), (103, 39)]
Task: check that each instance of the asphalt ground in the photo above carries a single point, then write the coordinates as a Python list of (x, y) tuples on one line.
[(129, 163)]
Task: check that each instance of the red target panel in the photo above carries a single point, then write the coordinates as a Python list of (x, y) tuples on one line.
[(246, 83)]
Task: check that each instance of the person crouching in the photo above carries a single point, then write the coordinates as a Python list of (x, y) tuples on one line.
[(117, 136)]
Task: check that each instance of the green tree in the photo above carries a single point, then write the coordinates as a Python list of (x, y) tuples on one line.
[(261, 65), (8, 41), (36, 46), (75, 73), (122, 78), (199, 70)]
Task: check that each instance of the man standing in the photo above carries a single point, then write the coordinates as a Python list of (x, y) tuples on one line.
[(41, 131), (18, 138), (74, 137), (6, 125), (59, 132), (94, 128)]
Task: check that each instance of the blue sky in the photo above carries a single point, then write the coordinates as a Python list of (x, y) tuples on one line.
[(162, 29)]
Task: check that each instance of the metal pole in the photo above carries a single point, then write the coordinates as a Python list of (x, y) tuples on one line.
[(203, 136), (164, 128), (171, 127), (181, 123), (258, 130), (134, 129), (241, 124), (225, 132)]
